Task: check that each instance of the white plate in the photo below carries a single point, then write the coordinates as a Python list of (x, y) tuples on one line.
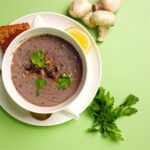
[(93, 79)]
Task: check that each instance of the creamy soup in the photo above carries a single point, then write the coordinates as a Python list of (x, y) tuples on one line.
[(46, 70)]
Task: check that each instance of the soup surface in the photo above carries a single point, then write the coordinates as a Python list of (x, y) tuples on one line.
[(46, 70)]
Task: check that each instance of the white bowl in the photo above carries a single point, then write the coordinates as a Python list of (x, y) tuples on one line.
[(7, 75)]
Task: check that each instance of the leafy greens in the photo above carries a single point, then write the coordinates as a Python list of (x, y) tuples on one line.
[(105, 115)]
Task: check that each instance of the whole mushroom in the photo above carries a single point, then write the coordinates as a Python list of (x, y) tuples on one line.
[(103, 19), (101, 14), (79, 8)]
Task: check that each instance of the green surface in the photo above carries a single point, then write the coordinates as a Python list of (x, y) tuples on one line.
[(125, 58)]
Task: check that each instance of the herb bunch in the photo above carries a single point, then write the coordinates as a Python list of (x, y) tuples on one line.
[(105, 114)]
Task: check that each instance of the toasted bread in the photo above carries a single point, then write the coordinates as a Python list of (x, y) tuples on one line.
[(8, 33)]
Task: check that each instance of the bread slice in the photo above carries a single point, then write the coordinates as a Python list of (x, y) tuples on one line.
[(8, 33)]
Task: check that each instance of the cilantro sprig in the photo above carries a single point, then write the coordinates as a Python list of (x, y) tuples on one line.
[(64, 81), (40, 83), (105, 114), (37, 58)]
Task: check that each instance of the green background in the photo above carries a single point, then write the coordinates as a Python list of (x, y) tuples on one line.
[(125, 58)]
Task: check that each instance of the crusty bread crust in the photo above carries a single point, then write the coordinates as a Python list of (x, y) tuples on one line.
[(8, 33)]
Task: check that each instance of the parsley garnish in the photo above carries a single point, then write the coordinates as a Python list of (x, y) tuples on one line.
[(37, 58), (105, 114), (64, 81), (40, 83)]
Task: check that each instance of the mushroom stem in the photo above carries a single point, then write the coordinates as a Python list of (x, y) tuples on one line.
[(101, 33), (97, 6)]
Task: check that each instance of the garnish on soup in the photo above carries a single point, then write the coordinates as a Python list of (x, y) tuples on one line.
[(64, 81), (43, 67), (37, 58), (40, 83)]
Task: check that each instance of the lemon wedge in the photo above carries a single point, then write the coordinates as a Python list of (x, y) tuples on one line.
[(81, 37)]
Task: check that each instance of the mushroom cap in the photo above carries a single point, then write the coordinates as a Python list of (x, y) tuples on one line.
[(103, 18), (78, 8), (111, 5), (87, 20)]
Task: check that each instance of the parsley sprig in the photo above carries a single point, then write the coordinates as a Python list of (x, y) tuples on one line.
[(40, 83), (37, 58), (105, 114), (64, 81)]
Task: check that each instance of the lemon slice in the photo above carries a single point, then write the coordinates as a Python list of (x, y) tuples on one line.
[(83, 39)]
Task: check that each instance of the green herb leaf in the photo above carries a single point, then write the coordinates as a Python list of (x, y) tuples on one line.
[(125, 108), (64, 81), (104, 114), (40, 83), (37, 58), (130, 100), (113, 131)]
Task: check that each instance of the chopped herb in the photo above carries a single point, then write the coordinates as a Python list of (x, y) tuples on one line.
[(37, 58), (64, 81), (40, 83), (105, 115)]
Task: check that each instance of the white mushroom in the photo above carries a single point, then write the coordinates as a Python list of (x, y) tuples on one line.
[(103, 15), (79, 8), (109, 5), (87, 20), (103, 19)]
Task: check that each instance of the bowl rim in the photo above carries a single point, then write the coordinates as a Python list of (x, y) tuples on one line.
[(33, 107)]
